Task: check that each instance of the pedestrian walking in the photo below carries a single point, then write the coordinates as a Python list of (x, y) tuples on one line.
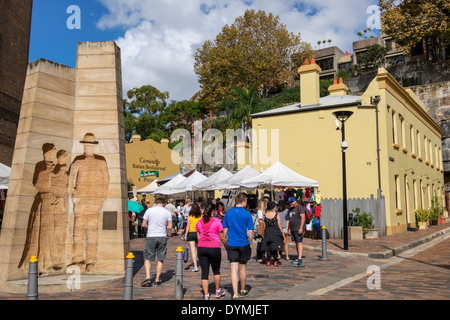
[(238, 225), (157, 220), (210, 234), (180, 208), (296, 227), (260, 231), (195, 214), (283, 212), (273, 239), (186, 209), (174, 212)]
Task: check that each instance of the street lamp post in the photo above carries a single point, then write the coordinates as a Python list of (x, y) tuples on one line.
[(343, 116)]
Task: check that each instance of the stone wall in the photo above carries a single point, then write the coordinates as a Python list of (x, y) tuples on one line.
[(15, 25)]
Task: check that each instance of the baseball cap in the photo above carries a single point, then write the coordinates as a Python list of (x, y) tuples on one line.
[(291, 199), (266, 195)]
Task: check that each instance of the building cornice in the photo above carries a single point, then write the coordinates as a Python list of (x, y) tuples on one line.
[(386, 81)]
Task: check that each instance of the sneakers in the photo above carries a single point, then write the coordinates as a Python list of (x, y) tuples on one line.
[(194, 269), (145, 283), (275, 263), (235, 297), (206, 297), (243, 293), (220, 293), (294, 261), (299, 262)]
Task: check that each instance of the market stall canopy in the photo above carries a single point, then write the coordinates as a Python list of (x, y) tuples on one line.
[(187, 185), (183, 172), (214, 182), (149, 188), (168, 186), (5, 172), (280, 175), (235, 181)]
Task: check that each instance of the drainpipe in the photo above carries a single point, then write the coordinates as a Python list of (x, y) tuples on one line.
[(376, 100)]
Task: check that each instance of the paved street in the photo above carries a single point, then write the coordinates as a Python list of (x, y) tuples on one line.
[(418, 273)]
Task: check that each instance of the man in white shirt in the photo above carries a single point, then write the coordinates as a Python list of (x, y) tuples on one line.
[(157, 220)]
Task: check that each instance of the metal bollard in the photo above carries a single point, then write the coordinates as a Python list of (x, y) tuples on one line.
[(128, 294), (324, 244), (179, 274), (32, 293)]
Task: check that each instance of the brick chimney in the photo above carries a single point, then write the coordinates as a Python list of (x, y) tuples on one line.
[(338, 89), (309, 83)]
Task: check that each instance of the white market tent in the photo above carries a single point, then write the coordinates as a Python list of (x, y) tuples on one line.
[(214, 182), (168, 186), (5, 172), (280, 175), (187, 185), (235, 181), (149, 188)]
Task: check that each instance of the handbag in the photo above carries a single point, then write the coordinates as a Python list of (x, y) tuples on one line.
[(186, 254)]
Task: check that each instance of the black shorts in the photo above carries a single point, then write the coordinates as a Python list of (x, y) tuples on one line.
[(239, 254), (297, 237), (192, 236)]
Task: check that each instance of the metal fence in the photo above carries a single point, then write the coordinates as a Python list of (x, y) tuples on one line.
[(332, 212)]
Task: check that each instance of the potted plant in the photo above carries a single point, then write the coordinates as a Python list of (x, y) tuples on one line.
[(438, 210), (422, 217), (365, 220)]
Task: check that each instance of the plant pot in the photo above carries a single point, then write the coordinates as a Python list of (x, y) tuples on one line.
[(423, 225), (442, 220), (372, 234), (433, 222)]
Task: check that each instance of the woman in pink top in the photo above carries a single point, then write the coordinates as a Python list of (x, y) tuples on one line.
[(209, 235)]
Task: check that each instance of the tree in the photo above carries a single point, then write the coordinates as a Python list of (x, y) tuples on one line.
[(256, 48), (142, 111), (373, 57), (412, 22)]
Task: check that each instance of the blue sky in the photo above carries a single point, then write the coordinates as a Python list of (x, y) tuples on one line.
[(52, 40), (158, 39)]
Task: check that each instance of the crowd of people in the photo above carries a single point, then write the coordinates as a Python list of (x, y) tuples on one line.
[(206, 228)]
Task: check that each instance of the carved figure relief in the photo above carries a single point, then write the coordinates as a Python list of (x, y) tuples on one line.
[(46, 232), (48, 221), (89, 187)]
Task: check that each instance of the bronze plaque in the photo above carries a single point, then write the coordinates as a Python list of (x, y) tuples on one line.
[(109, 220)]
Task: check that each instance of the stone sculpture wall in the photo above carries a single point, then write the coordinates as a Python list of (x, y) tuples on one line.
[(67, 200)]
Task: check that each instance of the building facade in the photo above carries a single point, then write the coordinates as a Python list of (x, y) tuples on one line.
[(394, 145), (15, 26)]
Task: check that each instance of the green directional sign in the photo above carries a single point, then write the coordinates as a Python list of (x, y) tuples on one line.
[(152, 173)]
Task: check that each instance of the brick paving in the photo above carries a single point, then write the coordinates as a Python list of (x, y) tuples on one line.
[(264, 281)]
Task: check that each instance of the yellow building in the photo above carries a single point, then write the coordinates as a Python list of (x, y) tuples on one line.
[(148, 160), (409, 172)]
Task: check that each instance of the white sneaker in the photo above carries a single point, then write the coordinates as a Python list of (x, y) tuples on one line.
[(194, 269)]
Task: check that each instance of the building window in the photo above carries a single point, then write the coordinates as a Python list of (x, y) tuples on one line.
[(425, 146), (394, 129), (421, 194), (326, 64), (397, 193), (415, 194), (411, 137), (419, 149), (402, 132)]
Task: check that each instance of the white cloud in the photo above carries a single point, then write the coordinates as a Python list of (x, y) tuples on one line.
[(162, 36)]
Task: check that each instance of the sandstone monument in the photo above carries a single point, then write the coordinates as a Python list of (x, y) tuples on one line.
[(67, 200)]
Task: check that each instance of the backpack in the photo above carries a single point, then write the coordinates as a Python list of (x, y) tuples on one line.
[(308, 215)]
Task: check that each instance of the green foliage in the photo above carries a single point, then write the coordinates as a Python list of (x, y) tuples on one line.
[(374, 57), (364, 220), (422, 215), (437, 209), (256, 48)]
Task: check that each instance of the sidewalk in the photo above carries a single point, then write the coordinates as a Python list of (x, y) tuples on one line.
[(264, 283), (382, 248)]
